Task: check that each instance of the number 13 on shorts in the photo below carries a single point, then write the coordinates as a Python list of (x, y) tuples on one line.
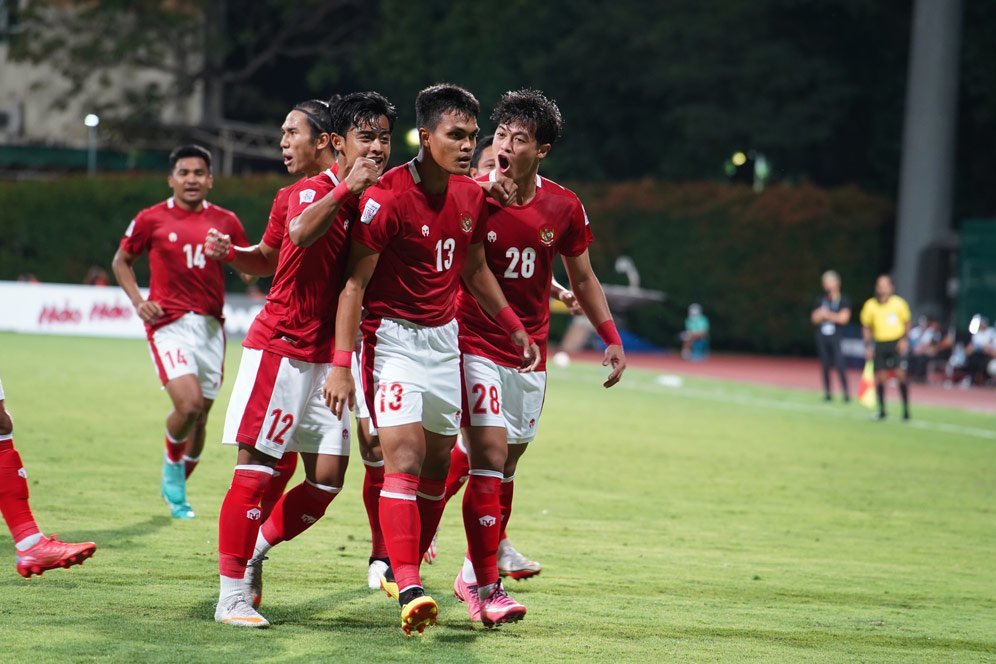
[(389, 397)]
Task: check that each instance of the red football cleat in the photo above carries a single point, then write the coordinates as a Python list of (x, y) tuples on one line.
[(51, 552)]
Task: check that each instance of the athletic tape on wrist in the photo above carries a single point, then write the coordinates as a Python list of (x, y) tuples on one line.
[(508, 321), (342, 192), (608, 333)]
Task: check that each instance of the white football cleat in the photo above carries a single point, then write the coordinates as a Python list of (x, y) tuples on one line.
[(236, 611), (513, 564), (254, 581), (376, 570)]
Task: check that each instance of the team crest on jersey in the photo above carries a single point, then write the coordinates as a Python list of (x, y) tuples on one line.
[(492, 237), (546, 235), (466, 223), (369, 210), (425, 231), (172, 237), (306, 196)]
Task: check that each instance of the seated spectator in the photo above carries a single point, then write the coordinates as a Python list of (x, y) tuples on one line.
[(926, 342), (96, 276), (695, 338), (981, 350)]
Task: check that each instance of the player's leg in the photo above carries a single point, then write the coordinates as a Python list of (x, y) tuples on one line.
[(194, 444), (207, 348), (35, 552), (459, 471), (379, 562), (881, 375), (264, 408), (841, 365), (904, 390), (823, 350), (188, 407), (283, 472)]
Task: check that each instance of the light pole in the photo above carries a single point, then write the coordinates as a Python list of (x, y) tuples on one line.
[(91, 121)]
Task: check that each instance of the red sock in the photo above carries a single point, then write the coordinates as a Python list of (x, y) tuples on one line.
[(14, 493), (373, 482), (431, 503), (459, 469), (299, 509), (282, 474), (482, 521), (174, 450), (189, 463), (238, 523), (507, 487), (399, 521)]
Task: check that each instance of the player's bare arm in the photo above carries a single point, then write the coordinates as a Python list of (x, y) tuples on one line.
[(259, 260), (591, 297), (339, 389), (311, 224), (561, 292), (147, 310), (484, 287)]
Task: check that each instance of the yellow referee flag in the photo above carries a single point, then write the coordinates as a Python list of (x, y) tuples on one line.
[(866, 389)]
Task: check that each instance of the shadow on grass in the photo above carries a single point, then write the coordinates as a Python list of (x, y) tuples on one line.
[(114, 538), (828, 641)]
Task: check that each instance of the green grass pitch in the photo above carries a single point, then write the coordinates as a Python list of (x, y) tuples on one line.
[(711, 522)]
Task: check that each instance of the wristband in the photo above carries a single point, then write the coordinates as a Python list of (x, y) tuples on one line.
[(342, 358), (230, 256), (608, 333), (342, 192), (508, 321)]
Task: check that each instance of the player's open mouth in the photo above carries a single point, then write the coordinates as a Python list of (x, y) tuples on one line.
[(503, 163), (288, 159)]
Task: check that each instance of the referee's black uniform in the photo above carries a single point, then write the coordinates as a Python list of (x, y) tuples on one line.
[(828, 344)]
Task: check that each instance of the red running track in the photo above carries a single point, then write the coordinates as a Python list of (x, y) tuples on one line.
[(799, 374)]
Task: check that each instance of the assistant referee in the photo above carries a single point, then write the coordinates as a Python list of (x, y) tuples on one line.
[(885, 323)]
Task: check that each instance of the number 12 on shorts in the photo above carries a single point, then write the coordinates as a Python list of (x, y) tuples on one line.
[(279, 425)]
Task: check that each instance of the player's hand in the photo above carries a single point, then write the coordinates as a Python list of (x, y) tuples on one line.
[(217, 244), (502, 190), (149, 311), (364, 173), (616, 358), (571, 300), (530, 351), (869, 354), (340, 391)]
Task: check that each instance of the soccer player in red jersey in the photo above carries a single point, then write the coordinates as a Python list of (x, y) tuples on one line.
[(504, 405), (183, 313), (306, 147), (420, 231), (35, 552), (277, 402)]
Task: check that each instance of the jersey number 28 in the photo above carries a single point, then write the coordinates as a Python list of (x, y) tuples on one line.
[(521, 263)]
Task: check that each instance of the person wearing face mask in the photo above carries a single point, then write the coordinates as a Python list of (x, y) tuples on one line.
[(830, 313)]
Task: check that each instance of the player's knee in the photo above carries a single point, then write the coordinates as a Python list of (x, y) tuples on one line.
[(192, 408), (6, 423), (493, 458)]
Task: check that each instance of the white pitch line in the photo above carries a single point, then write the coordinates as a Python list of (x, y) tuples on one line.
[(726, 397)]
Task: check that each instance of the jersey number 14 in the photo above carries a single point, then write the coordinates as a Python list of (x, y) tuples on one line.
[(195, 255)]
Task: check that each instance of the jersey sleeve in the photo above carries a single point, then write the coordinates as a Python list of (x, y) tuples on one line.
[(238, 233), (579, 235), (276, 225), (481, 227), (302, 198), (138, 236), (866, 314), (378, 220)]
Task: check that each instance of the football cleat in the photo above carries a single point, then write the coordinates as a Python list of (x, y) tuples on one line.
[(499, 608), (254, 581), (377, 569), (237, 612), (430, 555), (388, 584), (418, 614), (467, 593), (51, 552), (174, 490), (513, 564)]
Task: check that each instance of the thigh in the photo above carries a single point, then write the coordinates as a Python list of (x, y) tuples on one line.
[(524, 394), (393, 375), (403, 447), (209, 353), (482, 385), (172, 351), (443, 399), (318, 430), (268, 399)]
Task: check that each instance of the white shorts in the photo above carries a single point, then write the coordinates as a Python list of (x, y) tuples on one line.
[(1, 391), (192, 344), (361, 411), (500, 396), (277, 406), (411, 374)]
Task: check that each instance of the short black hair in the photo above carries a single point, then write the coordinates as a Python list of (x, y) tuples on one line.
[(358, 108), (191, 150), (482, 145), (319, 115), (433, 101), (530, 108)]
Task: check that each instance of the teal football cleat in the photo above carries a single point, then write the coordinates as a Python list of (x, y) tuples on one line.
[(174, 490)]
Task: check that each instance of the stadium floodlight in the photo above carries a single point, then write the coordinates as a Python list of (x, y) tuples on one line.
[(739, 159), (91, 121), (411, 138)]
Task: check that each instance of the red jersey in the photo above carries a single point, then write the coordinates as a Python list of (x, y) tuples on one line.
[(422, 239), (298, 319), (276, 225), (182, 279), (522, 242)]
